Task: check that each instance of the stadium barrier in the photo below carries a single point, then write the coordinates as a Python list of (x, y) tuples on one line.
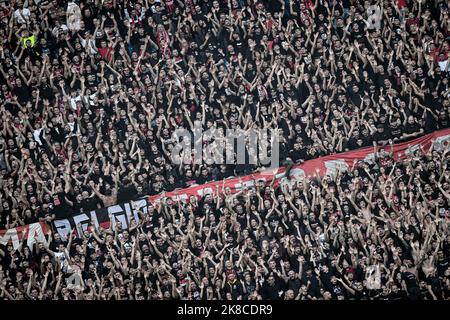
[(127, 213)]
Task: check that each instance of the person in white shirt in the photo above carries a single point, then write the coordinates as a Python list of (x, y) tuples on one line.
[(22, 15)]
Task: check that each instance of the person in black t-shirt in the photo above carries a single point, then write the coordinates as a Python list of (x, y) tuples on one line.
[(382, 135), (411, 128), (270, 289)]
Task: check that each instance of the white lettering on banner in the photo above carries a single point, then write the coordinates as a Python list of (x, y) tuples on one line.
[(175, 197), (117, 213), (411, 149), (438, 144), (181, 197), (157, 201), (80, 219), (141, 205), (94, 219), (10, 235), (333, 165), (295, 175), (370, 157), (261, 179), (279, 175), (129, 213), (205, 191), (35, 232), (244, 185), (63, 228)]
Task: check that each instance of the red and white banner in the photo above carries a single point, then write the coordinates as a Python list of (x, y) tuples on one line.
[(325, 165), (33, 233)]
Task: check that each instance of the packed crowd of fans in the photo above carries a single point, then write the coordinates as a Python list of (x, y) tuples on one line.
[(92, 92), (377, 231)]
